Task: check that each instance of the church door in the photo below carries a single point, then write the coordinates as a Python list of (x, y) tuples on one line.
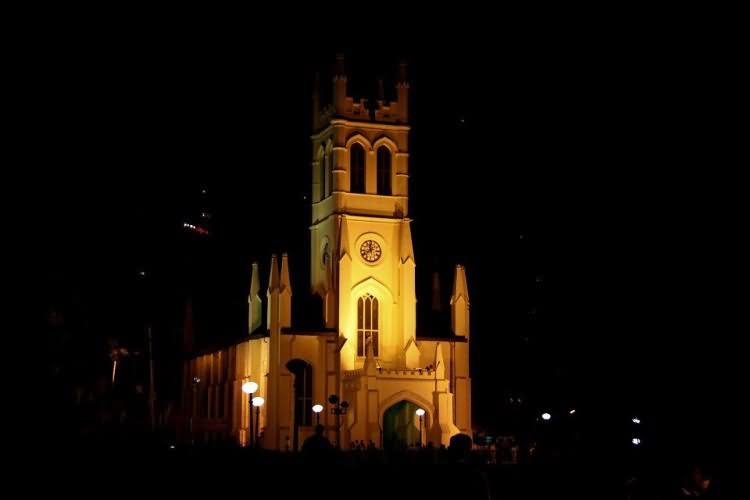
[(401, 426)]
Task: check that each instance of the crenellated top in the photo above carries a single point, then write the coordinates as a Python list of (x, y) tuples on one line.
[(345, 106), (417, 373)]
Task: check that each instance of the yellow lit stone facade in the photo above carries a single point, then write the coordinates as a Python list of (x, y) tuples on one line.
[(363, 269)]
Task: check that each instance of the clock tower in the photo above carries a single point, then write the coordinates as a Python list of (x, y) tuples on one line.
[(361, 246), (400, 388)]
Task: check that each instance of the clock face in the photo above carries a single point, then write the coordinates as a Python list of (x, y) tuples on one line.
[(370, 250)]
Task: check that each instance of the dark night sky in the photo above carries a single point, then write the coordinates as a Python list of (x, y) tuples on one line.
[(605, 155)]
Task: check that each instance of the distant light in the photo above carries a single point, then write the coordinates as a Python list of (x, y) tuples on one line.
[(636, 420), (635, 441), (546, 416), (196, 380), (171, 447), (258, 401), (420, 412), (141, 273), (197, 229), (572, 412), (317, 408), (249, 387)]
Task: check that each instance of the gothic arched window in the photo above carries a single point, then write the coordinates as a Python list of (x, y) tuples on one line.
[(357, 168), (329, 173), (367, 324), (322, 162), (384, 171)]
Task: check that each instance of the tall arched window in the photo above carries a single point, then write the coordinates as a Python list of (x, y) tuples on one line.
[(384, 171), (322, 177), (367, 324), (329, 173), (357, 168)]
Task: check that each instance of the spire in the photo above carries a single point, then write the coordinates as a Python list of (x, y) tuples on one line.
[(439, 362), (344, 239), (370, 358), (273, 279), (460, 289), (254, 281), (254, 306), (285, 282), (411, 353), (402, 92), (407, 249), (460, 303), (285, 294)]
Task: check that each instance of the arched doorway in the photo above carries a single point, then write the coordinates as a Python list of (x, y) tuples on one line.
[(302, 371), (401, 426)]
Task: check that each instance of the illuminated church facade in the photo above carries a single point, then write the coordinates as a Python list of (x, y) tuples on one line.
[(363, 270)]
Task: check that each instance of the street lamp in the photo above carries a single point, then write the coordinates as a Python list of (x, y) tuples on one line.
[(317, 409), (196, 383), (339, 408), (257, 403), (420, 414), (546, 416), (249, 388)]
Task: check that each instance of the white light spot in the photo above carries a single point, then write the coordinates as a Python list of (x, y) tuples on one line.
[(546, 416), (636, 420), (635, 441)]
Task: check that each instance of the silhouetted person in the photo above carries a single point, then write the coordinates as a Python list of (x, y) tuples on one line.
[(317, 446), (468, 481), (697, 484), (460, 448)]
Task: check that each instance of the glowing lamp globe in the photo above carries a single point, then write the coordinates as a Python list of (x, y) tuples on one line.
[(258, 401), (249, 387), (420, 412), (317, 408), (546, 416)]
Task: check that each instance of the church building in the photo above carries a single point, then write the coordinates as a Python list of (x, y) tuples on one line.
[(367, 367)]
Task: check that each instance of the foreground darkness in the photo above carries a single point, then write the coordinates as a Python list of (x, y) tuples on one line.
[(580, 185)]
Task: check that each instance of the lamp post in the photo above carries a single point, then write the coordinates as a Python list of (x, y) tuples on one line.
[(339, 408), (317, 409), (420, 414), (249, 388), (257, 403), (196, 382)]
